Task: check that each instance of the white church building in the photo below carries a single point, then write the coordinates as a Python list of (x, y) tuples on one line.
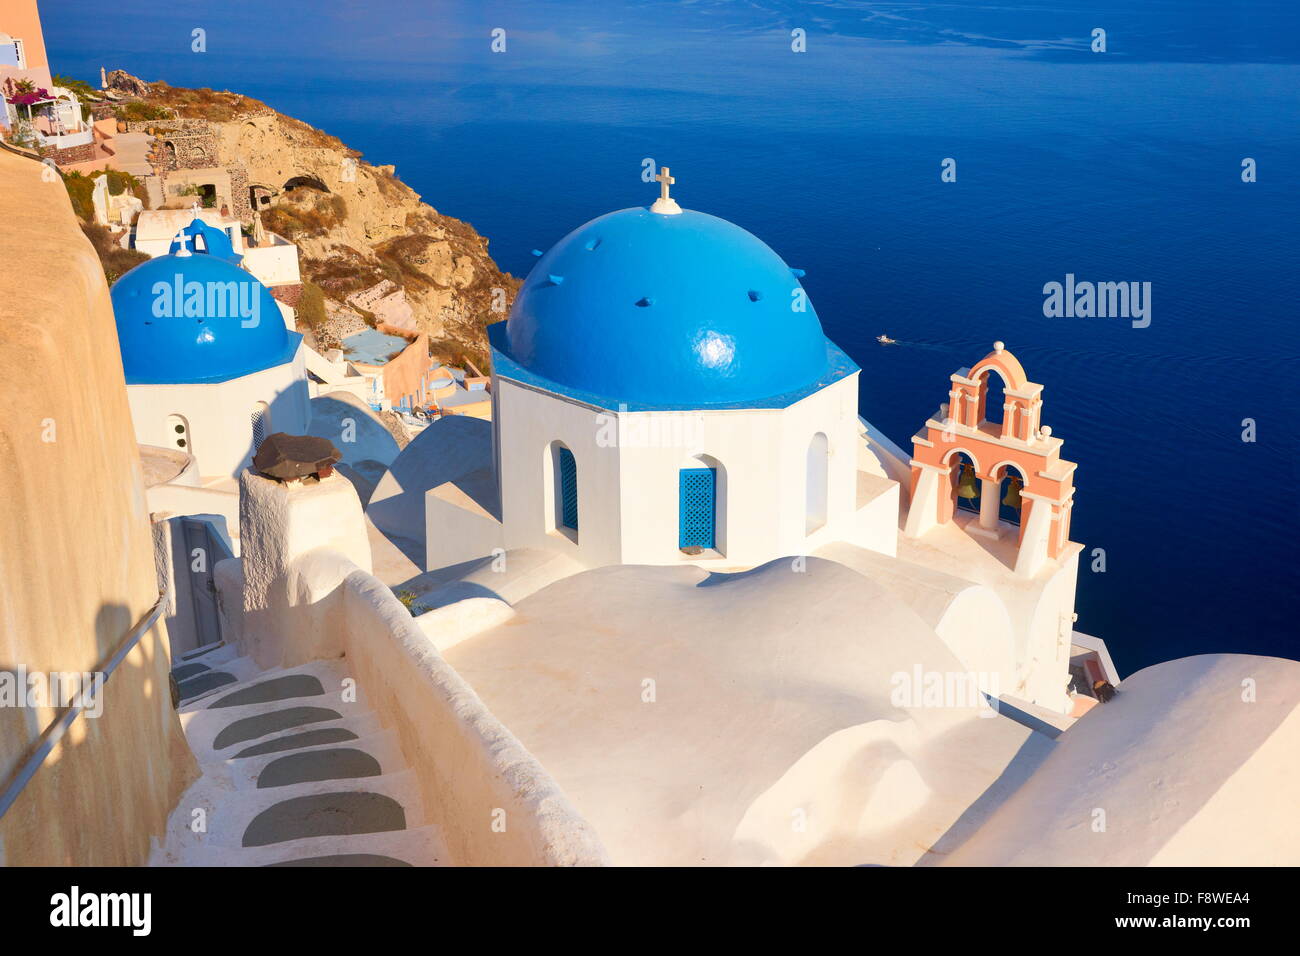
[(211, 367), (664, 394)]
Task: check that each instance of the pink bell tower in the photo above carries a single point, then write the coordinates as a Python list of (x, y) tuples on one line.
[(1014, 446)]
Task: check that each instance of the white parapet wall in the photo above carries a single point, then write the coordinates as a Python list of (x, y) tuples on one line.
[(278, 524), (495, 804), (303, 590)]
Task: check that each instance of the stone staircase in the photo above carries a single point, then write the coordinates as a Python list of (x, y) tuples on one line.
[(296, 771)]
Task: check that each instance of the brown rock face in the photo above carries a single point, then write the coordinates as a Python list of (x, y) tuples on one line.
[(124, 82), (357, 225)]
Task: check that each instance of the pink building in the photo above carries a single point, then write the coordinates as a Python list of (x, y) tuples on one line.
[(22, 44), (44, 116)]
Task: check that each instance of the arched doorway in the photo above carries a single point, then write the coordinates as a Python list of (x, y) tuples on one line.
[(259, 197)]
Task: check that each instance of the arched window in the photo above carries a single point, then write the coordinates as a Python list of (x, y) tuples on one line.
[(817, 478), (698, 509), (566, 479), (178, 433), (260, 419), (702, 506), (561, 487)]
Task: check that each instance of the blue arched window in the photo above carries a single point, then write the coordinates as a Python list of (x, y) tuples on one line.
[(567, 483), (698, 505)]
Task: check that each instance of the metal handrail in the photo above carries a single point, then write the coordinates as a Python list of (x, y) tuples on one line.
[(21, 151), (45, 744)]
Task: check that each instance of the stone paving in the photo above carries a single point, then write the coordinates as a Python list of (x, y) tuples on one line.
[(296, 771)]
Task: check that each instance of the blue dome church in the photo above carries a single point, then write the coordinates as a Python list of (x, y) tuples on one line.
[(664, 393), (211, 367)]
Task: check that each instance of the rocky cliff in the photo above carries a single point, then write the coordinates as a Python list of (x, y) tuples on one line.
[(372, 251)]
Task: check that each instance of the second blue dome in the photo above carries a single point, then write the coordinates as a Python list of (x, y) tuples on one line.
[(197, 319)]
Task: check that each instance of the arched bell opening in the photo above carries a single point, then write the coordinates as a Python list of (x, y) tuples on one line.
[(992, 397), (1011, 504), (966, 486)]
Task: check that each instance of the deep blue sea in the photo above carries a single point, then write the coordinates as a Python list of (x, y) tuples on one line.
[(1115, 166)]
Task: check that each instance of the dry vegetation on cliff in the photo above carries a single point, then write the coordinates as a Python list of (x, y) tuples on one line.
[(356, 226)]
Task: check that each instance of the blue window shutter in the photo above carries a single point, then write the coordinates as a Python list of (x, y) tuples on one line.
[(568, 489), (697, 507)]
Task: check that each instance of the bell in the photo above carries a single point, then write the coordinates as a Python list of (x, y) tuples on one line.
[(1012, 497), (966, 486)]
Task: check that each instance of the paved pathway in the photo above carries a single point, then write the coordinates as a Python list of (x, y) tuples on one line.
[(296, 771), (129, 152)]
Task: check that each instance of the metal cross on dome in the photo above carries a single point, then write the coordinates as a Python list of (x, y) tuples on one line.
[(664, 181), (665, 204)]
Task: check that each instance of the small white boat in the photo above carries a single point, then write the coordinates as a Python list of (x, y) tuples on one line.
[(886, 340)]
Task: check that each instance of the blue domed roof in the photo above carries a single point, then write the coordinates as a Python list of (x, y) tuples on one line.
[(197, 318), (206, 240), (681, 311)]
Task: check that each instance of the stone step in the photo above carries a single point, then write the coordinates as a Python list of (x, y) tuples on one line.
[(209, 653), (259, 772), (185, 671), (217, 679), (359, 726), (335, 812), (246, 730), (330, 675), (271, 815), (420, 846), (293, 774), (241, 714), (284, 687)]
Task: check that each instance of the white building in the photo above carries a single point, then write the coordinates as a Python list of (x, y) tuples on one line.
[(663, 394), (210, 367)]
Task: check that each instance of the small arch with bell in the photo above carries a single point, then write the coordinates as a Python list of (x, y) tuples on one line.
[(964, 482), (1008, 480)]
